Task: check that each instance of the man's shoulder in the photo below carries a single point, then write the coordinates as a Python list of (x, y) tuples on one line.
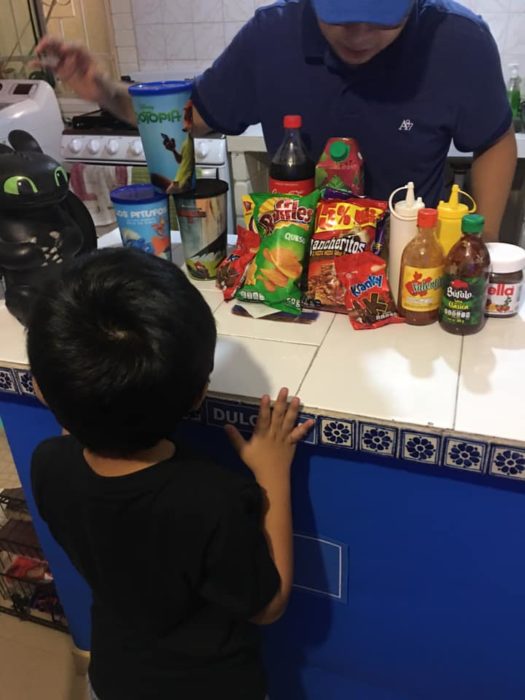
[(453, 16)]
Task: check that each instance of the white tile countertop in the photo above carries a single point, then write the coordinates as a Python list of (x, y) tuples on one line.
[(401, 376)]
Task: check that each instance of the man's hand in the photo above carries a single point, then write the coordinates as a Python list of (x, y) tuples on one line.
[(270, 450), (76, 67), (73, 64)]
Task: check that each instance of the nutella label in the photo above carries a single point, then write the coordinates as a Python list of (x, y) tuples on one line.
[(503, 299)]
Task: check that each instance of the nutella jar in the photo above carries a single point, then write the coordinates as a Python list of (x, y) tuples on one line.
[(506, 279)]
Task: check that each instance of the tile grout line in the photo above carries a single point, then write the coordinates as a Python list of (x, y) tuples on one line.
[(458, 384), (317, 349)]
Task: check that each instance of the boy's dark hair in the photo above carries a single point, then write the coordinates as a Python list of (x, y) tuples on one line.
[(121, 347)]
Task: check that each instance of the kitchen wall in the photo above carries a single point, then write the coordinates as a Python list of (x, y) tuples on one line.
[(186, 35)]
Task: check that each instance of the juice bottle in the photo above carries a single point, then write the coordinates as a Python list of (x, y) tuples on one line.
[(292, 171), (467, 269), (340, 166), (421, 275)]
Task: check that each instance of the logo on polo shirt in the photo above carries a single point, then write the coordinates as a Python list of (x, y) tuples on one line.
[(406, 125)]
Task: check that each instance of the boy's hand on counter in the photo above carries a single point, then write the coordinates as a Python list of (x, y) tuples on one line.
[(270, 450)]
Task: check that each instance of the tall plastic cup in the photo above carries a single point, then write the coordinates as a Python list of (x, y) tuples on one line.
[(163, 111), (142, 217), (203, 223)]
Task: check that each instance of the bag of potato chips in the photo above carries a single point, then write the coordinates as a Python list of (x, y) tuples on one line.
[(284, 223)]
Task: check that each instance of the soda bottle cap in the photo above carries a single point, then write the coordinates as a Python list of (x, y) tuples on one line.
[(427, 218), (473, 223), (339, 150), (293, 121)]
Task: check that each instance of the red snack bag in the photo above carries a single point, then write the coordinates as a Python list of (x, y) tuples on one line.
[(231, 273), (341, 228), (367, 299)]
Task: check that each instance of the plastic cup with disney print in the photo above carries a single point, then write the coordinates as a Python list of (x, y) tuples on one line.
[(142, 218)]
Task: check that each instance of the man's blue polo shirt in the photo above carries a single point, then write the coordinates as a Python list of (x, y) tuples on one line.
[(439, 81)]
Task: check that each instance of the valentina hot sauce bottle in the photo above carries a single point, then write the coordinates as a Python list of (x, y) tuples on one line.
[(292, 171), (421, 273), (467, 269)]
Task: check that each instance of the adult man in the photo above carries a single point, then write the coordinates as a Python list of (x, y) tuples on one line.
[(404, 77)]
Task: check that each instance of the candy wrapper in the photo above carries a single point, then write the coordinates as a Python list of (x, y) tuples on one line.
[(367, 294), (342, 228), (284, 223), (231, 273)]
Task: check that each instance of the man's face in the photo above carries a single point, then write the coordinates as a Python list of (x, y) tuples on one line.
[(356, 44)]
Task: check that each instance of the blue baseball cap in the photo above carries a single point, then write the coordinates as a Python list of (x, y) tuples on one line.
[(383, 12)]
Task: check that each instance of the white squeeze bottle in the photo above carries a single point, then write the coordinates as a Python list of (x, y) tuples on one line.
[(403, 228)]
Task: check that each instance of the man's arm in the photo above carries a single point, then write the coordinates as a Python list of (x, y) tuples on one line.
[(491, 177)]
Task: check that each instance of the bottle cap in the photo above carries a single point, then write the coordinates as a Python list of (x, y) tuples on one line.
[(293, 121), (473, 223), (427, 218), (339, 150), (506, 258)]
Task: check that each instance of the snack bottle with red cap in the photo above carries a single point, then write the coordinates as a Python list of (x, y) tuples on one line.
[(292, 171), (421, 274)]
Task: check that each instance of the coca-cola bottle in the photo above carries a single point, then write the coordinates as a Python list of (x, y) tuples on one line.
[(292, 171)]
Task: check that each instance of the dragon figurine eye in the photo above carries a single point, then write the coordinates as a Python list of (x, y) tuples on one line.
[(60, 177), (20, 184)]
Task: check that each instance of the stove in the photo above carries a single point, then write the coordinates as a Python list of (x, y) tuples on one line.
[(100, 138)]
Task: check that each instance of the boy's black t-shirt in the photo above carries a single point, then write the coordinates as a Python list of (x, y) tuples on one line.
[(177, 563)]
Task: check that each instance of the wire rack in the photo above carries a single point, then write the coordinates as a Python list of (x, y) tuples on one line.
[(27, 589)]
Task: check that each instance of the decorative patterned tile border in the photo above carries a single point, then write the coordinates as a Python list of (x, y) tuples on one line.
[(378, 439), (465, 453), (437, 448), (507, 462), (8, 383), (337, 433), (420, 447), (24, 382)]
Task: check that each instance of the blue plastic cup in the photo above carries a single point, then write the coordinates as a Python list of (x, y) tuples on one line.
[(142, 218), (163, 111)]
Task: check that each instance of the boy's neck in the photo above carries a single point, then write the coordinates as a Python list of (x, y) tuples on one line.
[(121, 466)]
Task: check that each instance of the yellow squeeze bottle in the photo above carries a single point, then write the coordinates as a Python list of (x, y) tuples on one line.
[(450, 215)]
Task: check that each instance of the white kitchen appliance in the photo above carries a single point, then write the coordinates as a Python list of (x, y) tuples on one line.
[(31, 105)]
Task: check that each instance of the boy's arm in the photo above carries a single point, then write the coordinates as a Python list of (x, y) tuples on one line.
[(269, 454)]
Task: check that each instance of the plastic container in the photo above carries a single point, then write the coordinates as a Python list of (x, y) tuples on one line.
[(421, 278), (467, 270), (506, 279), (292, 170), (164, 116), (142, 218), (202, 216), (340, 166), (450, 216), (403, 228)]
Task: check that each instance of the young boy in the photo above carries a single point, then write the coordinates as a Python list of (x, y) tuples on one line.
[(182, 556)]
